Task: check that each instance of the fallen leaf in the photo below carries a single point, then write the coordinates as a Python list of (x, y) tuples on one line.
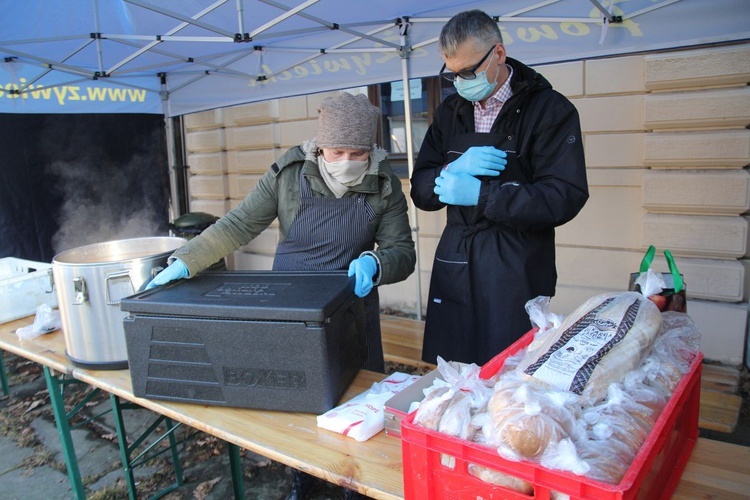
[(34, 404), (204, 488)]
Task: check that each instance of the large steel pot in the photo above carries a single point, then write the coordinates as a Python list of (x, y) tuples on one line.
[(90, 281)]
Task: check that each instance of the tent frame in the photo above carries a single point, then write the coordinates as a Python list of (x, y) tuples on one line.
[(180, 71)]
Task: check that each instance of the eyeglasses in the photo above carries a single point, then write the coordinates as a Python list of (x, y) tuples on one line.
[(465, 74)]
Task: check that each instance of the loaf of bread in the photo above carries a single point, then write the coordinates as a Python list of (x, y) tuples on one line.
[(501, 479), (600, 342), (456, 422), (526, 418), (431, 409)]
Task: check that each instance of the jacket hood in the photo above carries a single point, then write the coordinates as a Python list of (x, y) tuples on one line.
[(524, 76)]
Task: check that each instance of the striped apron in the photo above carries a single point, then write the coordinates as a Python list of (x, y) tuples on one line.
[(327, 234)]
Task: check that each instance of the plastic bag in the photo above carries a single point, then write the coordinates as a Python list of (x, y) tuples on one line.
[(525, 417), (464, 377), (431, 409), (46, 320), (540, 315), (672, 295), (363, 416)]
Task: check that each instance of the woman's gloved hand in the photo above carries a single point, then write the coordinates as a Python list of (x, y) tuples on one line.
[(480, 160), (364, 268), (457, 189), (175, 271)]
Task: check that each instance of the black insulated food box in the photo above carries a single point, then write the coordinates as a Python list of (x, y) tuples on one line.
[(289, 341)]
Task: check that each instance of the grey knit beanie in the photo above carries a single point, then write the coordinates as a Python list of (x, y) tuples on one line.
[(347, 121)]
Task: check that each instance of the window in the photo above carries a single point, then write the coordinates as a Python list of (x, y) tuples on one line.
[(426, 94)]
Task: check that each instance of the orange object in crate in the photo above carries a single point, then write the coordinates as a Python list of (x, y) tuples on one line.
[(654, 473)]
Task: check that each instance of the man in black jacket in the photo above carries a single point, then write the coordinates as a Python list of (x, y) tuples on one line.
[(505, 156)]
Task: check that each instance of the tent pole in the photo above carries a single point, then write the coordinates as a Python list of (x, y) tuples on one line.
[(175, 171), (405, 53)]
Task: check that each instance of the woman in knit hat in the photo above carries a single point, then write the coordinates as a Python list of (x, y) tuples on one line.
[(339, 207)]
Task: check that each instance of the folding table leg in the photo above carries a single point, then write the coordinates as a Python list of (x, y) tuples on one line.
[(3, 378), (129, 462), (235, 465), (55, 388)]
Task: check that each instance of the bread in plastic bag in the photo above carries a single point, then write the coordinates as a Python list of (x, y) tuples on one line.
[(525, 417), (601, 341)]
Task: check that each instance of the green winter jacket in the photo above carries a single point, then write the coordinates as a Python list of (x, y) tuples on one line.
[(277, 195)]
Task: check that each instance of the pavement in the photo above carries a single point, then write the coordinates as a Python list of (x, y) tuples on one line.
[(32, 464)]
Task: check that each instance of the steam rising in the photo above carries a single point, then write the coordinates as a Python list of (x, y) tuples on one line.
[(106, 199)]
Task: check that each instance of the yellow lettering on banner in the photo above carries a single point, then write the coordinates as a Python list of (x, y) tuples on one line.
[(333, 66), (357, 63), (315, 68), (137, 95), (40, 91), (65, 93), (361, 62), (9, 87), (535, 34), (387, 56), (96, 93), (116, 94), (60, 94), (267, 71), (575, 29), (507, 39)]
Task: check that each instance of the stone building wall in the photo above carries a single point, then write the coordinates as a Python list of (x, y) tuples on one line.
[(667, 145)]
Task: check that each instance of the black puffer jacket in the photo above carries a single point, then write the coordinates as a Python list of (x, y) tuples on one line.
[(507, 241)]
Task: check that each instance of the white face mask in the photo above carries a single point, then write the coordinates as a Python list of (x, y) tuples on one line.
[(339, 176), (346, 171)]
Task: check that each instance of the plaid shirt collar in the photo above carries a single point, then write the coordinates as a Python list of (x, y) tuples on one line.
[(485, 116)]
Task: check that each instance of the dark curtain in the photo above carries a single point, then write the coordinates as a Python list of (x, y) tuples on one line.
[(71, 180)]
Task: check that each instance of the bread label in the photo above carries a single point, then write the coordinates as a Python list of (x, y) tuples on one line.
[(569, 362)]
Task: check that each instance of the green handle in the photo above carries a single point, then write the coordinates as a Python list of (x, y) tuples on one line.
[(679, 285), (648, 258)]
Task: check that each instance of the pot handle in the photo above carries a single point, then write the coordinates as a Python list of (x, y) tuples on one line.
[(121, 274)]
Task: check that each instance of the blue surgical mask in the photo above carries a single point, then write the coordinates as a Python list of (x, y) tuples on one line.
[(477, 89)]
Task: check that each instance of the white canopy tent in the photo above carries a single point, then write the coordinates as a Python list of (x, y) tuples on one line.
[(174, 57)]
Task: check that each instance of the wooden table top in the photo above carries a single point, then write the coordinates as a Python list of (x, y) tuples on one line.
[(373, 467)]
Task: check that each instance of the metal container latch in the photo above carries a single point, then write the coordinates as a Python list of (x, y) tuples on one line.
[(79, 287), (51, 282)]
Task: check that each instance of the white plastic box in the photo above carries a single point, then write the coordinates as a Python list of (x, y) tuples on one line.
[(24, 285)]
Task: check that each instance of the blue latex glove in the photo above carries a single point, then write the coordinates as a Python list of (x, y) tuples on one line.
[(175, 271), (457, 189), (364, 268), (480, 160)]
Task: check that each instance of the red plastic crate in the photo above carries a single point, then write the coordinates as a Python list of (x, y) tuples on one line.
[(654, 473)]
